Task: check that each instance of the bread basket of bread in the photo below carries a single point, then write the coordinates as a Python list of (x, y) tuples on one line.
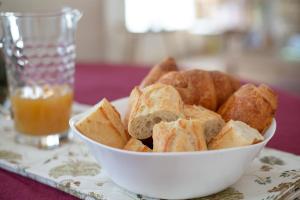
[(181, 133)]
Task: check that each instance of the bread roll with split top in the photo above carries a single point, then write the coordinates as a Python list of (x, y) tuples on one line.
[(256, 106)]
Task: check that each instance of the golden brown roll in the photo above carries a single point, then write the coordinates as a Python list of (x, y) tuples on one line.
[(177, 136), (225, 85), (158, 70), (256, 106), (200, 87)]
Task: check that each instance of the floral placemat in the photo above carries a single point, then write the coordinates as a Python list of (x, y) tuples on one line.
[(274, 175)]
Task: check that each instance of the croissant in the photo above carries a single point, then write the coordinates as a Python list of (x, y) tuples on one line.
[(199, 87), (256, 106), (159, 70)]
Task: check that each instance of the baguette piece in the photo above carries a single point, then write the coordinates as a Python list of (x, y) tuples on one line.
[(159, 70), (136, 145), (199, 87), (235, 134), (103, 124), (256, 106), (158, 102), (133, 98), (178, 136), (155, 73), (211, 121)]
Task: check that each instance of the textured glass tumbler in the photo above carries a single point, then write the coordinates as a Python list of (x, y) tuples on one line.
[(40, 64)]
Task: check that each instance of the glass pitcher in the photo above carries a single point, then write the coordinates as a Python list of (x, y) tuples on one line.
[(40, 63)]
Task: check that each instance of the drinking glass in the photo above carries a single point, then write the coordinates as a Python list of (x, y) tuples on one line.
[(39, 51)]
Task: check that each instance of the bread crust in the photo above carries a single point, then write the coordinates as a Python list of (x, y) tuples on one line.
[(200, 87), (225, 85), (256, 106), (211, 121), (133, 98), (157, 102), (159, 70), (229, 136), (103, 124), (178, 136), (136, 145)]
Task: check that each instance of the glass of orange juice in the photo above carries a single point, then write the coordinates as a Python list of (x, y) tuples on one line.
[(40, 64)]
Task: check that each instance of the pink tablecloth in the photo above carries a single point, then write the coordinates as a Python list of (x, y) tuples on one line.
[(95, 81)]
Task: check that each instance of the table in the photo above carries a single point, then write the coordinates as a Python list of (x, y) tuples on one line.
[(95, 81)]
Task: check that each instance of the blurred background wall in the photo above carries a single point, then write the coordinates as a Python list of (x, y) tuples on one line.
[(257, 40)]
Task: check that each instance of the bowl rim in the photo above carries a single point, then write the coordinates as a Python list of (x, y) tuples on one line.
[(85, 138)]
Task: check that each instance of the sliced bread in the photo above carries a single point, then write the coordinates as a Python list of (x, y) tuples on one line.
[(178, 136), (211, 121), (103, 124), (157, 102), (235, 134)]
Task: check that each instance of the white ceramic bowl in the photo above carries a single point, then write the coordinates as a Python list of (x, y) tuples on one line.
[(179, 175)]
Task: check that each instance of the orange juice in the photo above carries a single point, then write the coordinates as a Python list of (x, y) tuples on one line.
[(41, 111)]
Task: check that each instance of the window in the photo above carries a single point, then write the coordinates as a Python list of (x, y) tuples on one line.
[(159, 15)]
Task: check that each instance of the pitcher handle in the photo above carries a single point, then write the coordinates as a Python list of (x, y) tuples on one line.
[(1, 41), (5, 112), (1, 34), (76, 15), (73, 15)]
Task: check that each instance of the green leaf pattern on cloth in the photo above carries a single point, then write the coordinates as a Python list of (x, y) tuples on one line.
[(266, 168), (69, 182), (96, 196), (75, 168), (228, 194), (285, 190), (10, 156), (271, 160), (263, 180), (69, 185), (294, 174)]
